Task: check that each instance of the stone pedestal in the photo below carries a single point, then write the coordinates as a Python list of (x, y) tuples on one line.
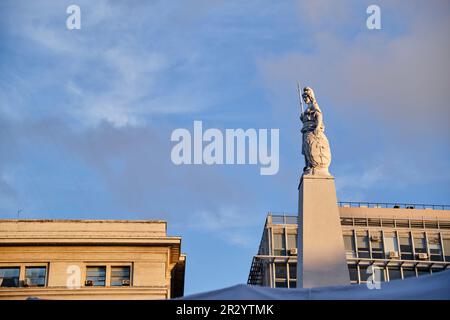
[(321, 253)]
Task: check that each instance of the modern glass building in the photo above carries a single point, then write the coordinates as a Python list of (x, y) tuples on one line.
[(400, 240)]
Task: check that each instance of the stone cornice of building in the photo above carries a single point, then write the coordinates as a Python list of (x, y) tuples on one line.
[(86, 292), (150, 233), (86, 230), (83, 221), (144, 241)]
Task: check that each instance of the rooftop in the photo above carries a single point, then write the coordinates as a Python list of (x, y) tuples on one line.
[(84, 231)]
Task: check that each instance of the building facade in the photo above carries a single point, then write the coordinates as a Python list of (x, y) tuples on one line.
[(89, 259), (401, 241)]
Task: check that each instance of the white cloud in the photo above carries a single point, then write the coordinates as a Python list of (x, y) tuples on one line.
[(110, 70), (402, 78), (228, 223)]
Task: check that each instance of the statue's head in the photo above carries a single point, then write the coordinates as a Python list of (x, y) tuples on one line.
[(308, 95)]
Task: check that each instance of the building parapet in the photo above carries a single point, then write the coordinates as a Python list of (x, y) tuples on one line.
[(396, 205)]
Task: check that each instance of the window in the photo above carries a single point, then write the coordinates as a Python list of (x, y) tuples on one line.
[(394, 273), (378, 273), (374, 222), (96, 276), (353, 272), (402, 223), (390, 243), (388, 223), (292, 240), (346, 221), (120, 276), (292, 271), (363, 273), (349, 243), (436, 270), (36, 276), (420, 243), (435, 248), (423, 271), (280, 270), (409, 273), (9, 276), (447, 249), (363, 245), (281, 283), (377, 245), (281, 275), (406, 246), (292, 283), (279, 244)]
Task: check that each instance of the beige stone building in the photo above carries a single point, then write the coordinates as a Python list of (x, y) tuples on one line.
[(89, 259), (400, 240)]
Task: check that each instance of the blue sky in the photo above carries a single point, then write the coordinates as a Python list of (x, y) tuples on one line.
[(86, 115)]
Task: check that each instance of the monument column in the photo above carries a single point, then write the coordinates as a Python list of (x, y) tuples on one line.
[(321, 253)]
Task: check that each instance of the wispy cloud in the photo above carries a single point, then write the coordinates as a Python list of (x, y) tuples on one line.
[(229, 223), (108, 76)]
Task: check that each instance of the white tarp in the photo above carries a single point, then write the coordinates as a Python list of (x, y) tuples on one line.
[(436, 286)]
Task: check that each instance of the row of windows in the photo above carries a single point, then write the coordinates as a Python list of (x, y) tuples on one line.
[(360, 274), (34, 276), (396, 245), (285, 274), (395, 223), (37, 276), (377, 244)]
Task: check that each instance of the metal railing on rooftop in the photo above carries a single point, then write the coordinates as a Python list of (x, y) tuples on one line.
[(393, 205), (276, 218), (292, 218)]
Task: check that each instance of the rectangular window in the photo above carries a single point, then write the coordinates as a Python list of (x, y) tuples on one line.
[(406, 246), (394, 273), (420, 243), (9, 276), (280, 271), (120, 276), (292, 240), (390, 243), (281, 275), (378, 274), (350, 247), (436, 270), (292, 271), (435, 247), (447, 249), (376, 242), (363, 273), (423, 271), (292, 284), (363, 245), (279, 244), (281, 284), (96, 276), (388, 223), (409, 273), (353, 272), (35, 276)]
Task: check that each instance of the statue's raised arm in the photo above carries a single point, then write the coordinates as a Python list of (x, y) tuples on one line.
[(315, 146)]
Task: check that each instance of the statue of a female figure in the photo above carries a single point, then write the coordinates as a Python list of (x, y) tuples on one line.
[(315, 147)]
